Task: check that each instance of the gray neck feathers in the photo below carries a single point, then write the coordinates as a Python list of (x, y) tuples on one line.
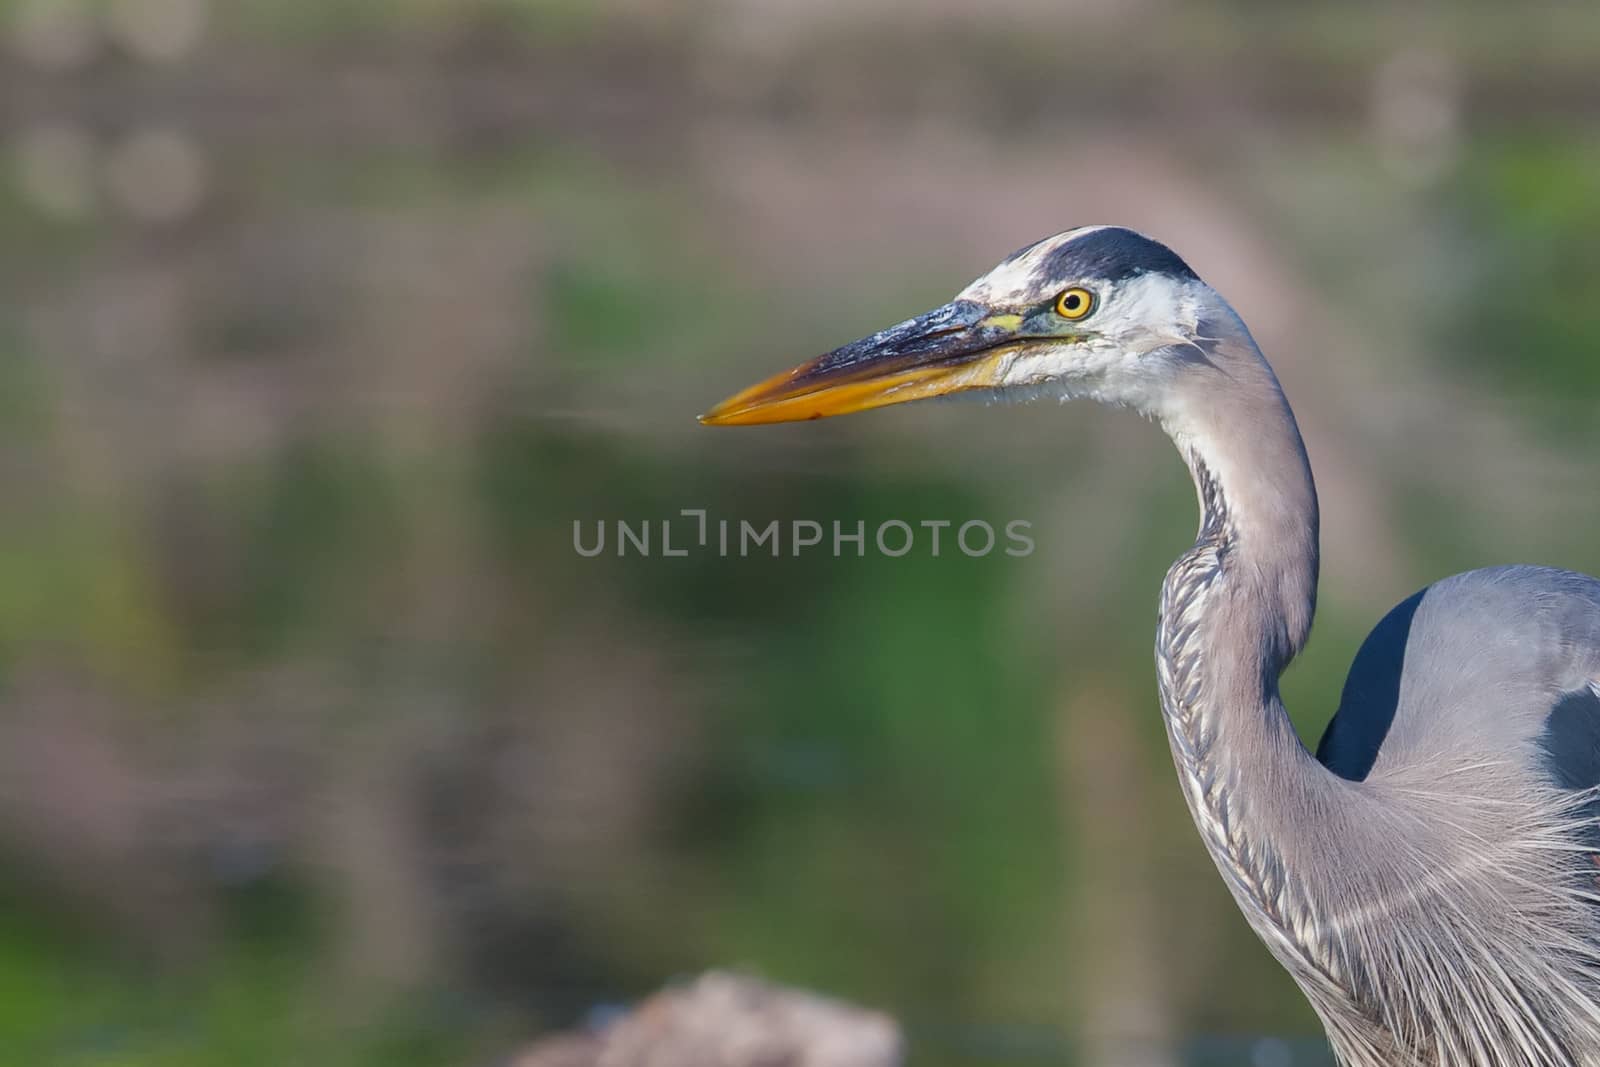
[(1386, 948), (1235, 609)]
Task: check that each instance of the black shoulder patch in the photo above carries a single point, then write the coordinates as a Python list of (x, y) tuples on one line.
[(1113, 254), (1571, 743), (1572, 739), (1371, 696)]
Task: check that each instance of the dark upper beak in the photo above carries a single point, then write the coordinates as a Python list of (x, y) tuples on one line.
[(954, 348)]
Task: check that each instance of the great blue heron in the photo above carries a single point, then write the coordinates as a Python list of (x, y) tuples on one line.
[(1429, 878)]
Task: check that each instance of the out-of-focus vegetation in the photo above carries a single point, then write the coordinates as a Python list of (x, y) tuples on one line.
[(1537, 199), (323, 324)]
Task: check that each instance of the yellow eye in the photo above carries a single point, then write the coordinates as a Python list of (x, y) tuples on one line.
[(1075, 303)]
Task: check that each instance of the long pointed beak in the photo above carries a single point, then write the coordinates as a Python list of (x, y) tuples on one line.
[(952, 349)]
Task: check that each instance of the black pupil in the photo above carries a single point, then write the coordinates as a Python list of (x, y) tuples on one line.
[(1072, 301)]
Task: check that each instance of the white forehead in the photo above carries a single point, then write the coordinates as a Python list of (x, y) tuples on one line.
[(1017, 278)]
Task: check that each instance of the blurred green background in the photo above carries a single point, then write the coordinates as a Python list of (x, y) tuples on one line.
[(322, 323)]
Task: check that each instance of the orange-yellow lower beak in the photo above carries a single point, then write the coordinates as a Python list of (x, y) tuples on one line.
[(950, 350)]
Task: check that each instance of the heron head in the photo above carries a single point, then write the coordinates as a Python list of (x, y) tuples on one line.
[(1099, 312)]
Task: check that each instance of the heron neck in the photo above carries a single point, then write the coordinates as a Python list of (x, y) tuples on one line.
[(1235, 609)]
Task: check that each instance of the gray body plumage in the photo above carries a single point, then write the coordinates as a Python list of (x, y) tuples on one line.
[(1429, 877)]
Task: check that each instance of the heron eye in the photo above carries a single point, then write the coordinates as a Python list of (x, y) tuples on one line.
[(1075, 303)]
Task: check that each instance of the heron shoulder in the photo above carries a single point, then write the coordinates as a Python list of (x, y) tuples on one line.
[(1480, 660)]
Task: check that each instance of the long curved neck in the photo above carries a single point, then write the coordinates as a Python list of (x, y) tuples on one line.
[(1357, 888), (1235, 609)]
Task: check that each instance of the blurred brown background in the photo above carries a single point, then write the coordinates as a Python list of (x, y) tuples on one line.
[(323, 322)]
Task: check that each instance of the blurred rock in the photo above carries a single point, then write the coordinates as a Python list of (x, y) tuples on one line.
[(728, 1020), (569, 1050)]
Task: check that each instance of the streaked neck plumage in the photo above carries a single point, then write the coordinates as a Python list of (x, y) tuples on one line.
[(1235, 609), (1387, 950)]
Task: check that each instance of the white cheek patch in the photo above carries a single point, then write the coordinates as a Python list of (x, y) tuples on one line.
[(1155, 310), (1061, 370), (1115, 364)]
